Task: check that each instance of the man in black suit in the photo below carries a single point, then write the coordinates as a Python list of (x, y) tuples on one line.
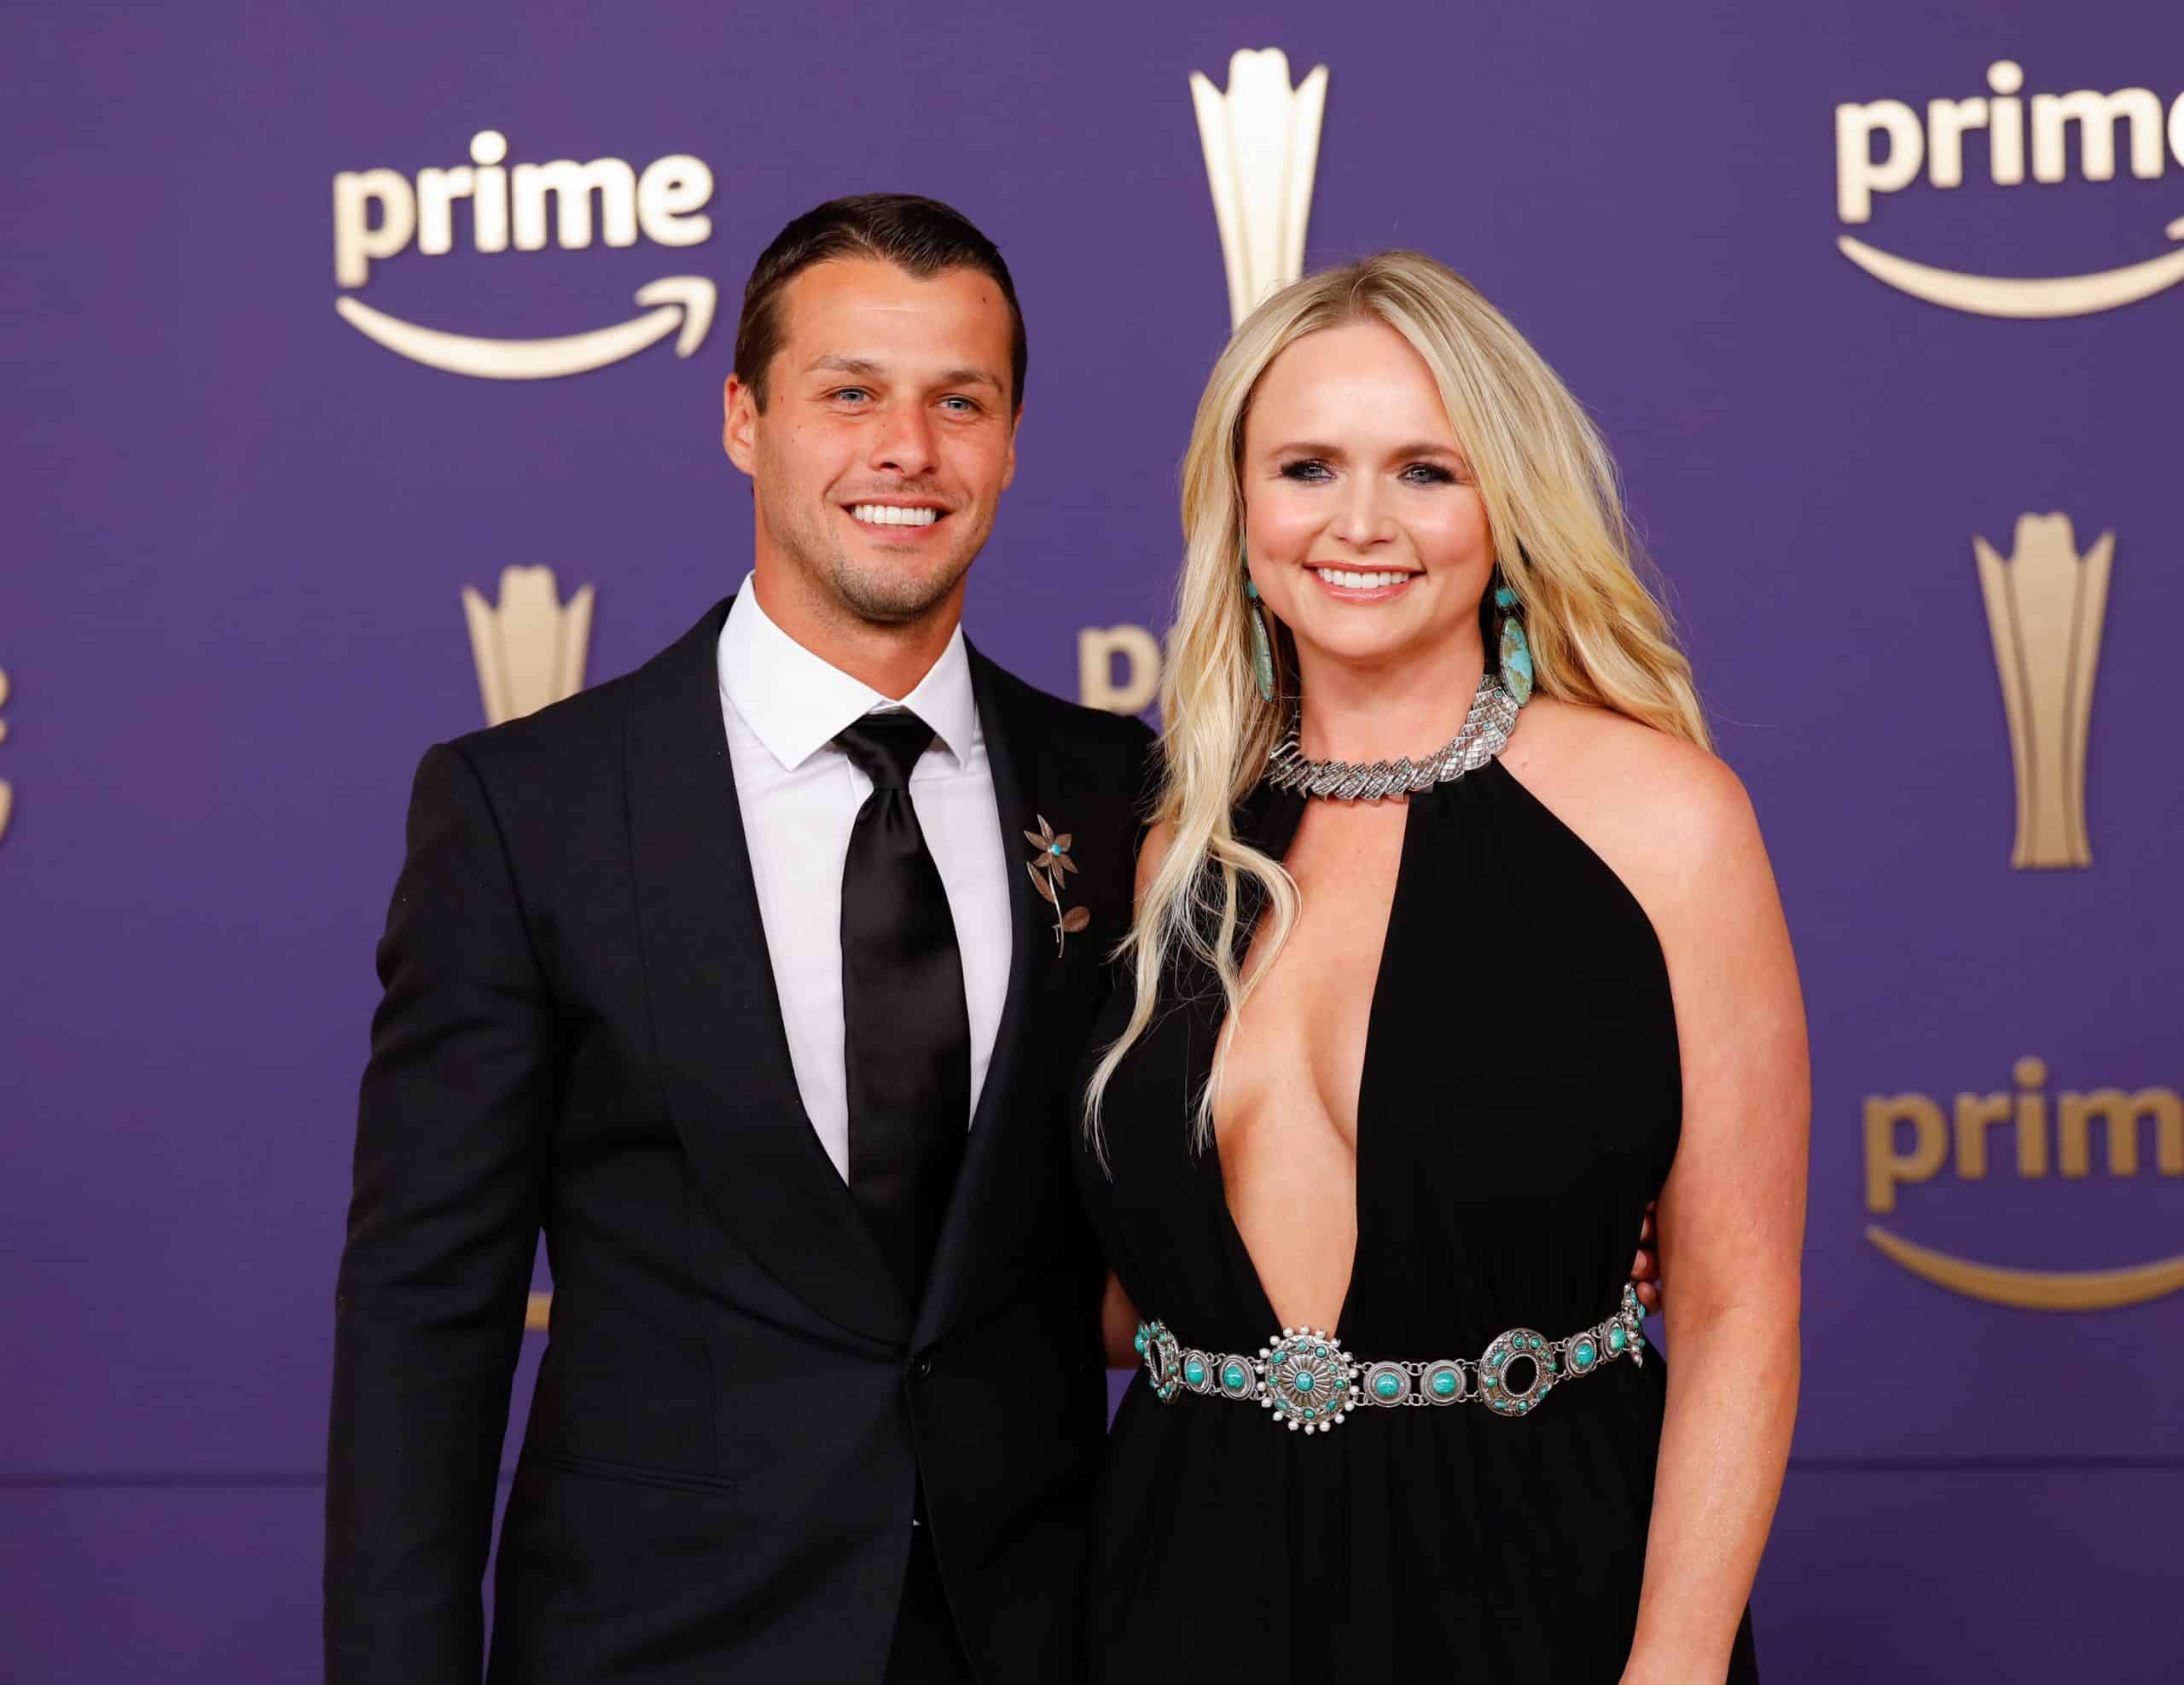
[(727, 975)]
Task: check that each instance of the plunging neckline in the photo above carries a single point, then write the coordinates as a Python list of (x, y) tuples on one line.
[(1234, 1233)]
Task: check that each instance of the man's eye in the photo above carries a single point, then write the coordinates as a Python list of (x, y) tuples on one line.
[(849, 393), (961, 406), (1309, 469)]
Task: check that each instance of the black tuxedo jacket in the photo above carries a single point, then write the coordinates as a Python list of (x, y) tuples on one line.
[(580, 1034)]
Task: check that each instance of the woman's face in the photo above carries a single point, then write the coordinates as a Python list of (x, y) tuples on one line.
[(1366, 534)]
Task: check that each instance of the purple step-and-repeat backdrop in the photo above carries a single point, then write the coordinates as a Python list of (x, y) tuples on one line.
[(1881, 304)]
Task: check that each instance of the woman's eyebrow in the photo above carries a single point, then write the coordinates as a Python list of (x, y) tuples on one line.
[(1417, 448)]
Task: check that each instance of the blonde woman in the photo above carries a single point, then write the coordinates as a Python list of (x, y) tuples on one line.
[(1454, 947)]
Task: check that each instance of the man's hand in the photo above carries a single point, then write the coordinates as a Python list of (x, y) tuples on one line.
[(1646, 1268)]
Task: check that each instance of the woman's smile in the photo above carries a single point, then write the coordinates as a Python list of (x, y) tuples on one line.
[(1363, 584)]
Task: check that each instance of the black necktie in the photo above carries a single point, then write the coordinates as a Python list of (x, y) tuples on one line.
[(906, 1034)]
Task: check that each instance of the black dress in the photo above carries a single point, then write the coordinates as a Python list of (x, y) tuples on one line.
[(1519, 1105)]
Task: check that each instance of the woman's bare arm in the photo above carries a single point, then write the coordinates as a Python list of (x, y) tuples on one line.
[(1731, 1224)]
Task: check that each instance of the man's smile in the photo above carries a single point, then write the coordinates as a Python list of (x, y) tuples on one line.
[(896, 515), (897, 519)]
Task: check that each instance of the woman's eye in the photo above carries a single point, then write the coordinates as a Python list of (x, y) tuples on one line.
[(1428, 474), (1310, 470)]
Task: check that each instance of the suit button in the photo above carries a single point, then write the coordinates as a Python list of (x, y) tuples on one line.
[(921, 1369)]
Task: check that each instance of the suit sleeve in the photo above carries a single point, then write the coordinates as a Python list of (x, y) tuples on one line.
[(456, 1109)]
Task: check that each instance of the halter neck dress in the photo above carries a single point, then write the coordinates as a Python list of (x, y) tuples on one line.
[(1519, 1105)]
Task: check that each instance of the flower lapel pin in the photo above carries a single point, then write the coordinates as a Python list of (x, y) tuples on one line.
[(1050, 868)]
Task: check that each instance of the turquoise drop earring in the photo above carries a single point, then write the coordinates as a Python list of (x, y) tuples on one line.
[(1261, 646), (1516, 653)]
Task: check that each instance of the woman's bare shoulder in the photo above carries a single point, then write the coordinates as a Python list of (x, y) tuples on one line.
[(1665, 814)]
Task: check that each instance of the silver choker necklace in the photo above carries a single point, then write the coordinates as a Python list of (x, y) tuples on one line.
[(1487, 727)]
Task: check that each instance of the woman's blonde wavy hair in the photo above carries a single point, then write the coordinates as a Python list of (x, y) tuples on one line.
[(1561, 540)]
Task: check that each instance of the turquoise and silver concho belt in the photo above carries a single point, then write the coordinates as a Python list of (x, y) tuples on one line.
[(1305, 1379)]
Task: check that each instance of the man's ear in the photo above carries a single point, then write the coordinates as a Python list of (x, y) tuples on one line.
[(739, 423)]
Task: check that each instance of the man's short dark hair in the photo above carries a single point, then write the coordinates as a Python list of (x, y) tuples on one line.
[(921, 236)]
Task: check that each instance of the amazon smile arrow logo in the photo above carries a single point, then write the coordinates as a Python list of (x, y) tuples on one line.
[(2026, 299), (1882, 146), (2033, 1289), (379, 213), (2044, 1134), (686, 300)]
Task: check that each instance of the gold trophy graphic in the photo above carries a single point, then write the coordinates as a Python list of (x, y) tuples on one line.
[(1262, 141), (530, 648), (2045, 604)]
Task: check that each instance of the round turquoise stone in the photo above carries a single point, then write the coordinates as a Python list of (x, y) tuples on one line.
[(1139, 1342), (1303, 1383), (1233, 1377), (1444, 1384), (1616, 1339), (1056, 849), (1194, 1372), (1311, 1415), (1387, 1387), (1584, 1353)]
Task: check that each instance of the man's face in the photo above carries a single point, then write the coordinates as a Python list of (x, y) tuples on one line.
[(887, 438)]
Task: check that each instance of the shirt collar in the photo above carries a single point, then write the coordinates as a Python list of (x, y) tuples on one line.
[(794, 701)]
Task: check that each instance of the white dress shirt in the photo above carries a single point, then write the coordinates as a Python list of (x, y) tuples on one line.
[(800, 795)]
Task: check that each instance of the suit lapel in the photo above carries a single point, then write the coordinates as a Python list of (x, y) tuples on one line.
[(981, 1214), (724, 1053)]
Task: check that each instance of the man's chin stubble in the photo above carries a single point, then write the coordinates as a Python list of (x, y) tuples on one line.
[(870, 593), (894, 602), (881, 598)]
